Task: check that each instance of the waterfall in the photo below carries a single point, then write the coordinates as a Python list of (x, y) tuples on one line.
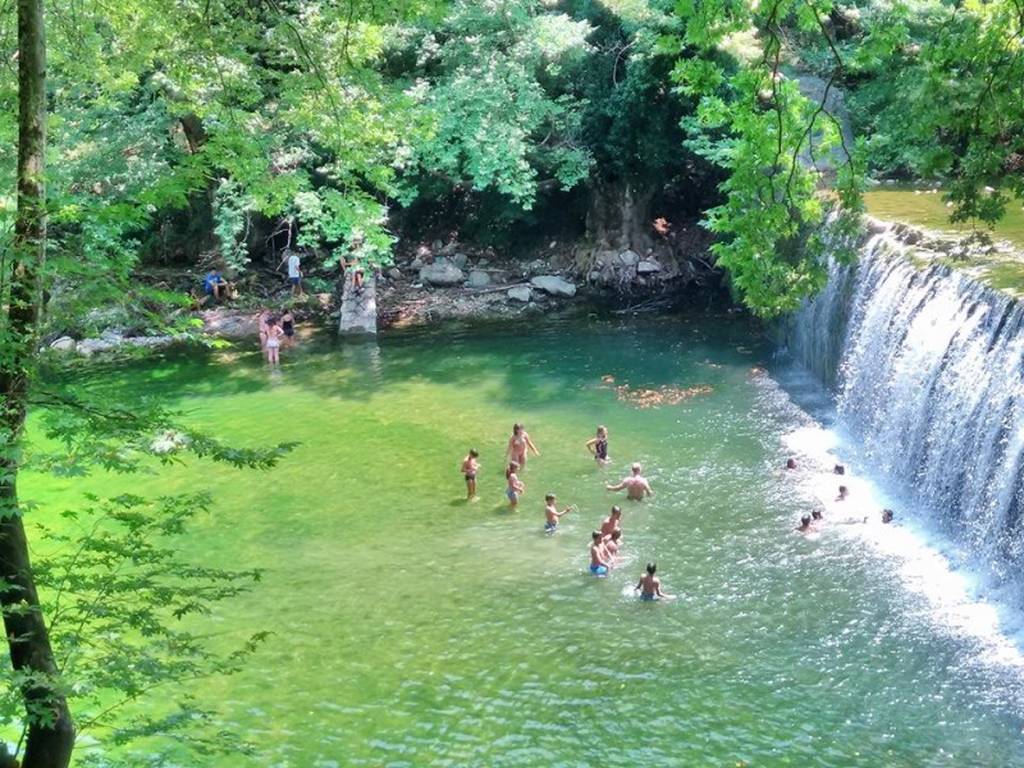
[(927, 368)]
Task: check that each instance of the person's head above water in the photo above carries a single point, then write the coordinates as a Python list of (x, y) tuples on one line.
[(549, 498), (602, 431), (616, 512), (887, 515), (636, 468), (596, 536), (816, 514), (843, 491), (839, 469), (790, 463), (651, 568), (474, 453), (805, 521), (616, 534)]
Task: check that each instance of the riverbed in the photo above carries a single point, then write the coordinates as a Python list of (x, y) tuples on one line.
[(415, 629)]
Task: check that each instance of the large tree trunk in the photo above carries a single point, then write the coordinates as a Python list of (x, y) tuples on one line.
[(619, 215), (51, 734)]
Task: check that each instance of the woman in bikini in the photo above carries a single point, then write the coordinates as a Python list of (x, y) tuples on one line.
[(599, 446), (273, 344), (518, 445)]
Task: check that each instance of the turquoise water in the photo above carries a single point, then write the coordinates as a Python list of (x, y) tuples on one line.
[(414, 629)]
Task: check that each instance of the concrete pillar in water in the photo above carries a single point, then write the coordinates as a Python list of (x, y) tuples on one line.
[(358, 308)]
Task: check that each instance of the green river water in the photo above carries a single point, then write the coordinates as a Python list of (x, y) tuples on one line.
[(414, 629)]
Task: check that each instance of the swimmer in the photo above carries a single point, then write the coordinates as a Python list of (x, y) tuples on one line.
[(599, 562), (844, 492), (612, 523), (805, 525), (636, 485), (839, 469), (649, 585), (515, 485), (612, 543), (817, 515), (552, 514), (598, 446), (887, 516), (518, 445), (790, 463), (470, 466)]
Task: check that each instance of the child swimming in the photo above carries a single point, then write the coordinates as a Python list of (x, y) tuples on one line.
[(515, 487), (470, 466), (649, 585), (599, 561), (518, 445), (552, 514), (598, 446)]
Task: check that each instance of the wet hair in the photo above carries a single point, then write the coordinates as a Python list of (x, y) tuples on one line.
[(651, 568), (843, 490), (616, 510), (805, 520), (790, 463), (512, 467), (887, 515), (636, 467), (596, 535), (616, 534), (517, 428), (474, 452), (816, 514), (839, 469), (549, 497)]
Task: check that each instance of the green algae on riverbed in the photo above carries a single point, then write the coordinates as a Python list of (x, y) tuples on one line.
[(414, 629)]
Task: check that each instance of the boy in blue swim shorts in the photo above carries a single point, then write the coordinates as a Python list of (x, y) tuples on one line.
[(515, 485), (552, 514), (649, 585), (599, 561)]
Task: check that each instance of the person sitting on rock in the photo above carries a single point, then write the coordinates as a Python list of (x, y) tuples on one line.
[(215, 285)]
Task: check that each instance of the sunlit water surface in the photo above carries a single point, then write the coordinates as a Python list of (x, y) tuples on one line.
[(413, 629)]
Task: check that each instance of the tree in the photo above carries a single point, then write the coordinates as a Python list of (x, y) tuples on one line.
[(51, 735)]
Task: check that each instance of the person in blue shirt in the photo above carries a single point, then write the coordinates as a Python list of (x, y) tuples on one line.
[(214, 284)]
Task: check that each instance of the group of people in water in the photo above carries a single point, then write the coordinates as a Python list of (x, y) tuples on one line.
[(813, 522), (605, 542)]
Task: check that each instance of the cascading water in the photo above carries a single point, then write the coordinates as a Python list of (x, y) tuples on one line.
[(927, 367)]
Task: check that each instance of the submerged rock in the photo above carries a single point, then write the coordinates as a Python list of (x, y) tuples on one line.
[(554, 285), (478, 279), (443, 273)]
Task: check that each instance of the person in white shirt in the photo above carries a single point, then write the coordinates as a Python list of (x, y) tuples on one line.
[(294, 272)]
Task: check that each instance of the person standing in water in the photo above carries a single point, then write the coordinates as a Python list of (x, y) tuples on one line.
[(599, 561), (598, 446), (649, 585), (636, 485), (612, 523), (470, 466), (515, 487), (273, 344), (612, 543), (551, 513), (519, 444), (288, 325)]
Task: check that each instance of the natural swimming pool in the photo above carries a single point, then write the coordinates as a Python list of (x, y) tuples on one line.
[(413, 629)]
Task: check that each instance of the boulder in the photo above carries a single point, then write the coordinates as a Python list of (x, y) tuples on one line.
[(394, 273), (460, 260), (478, 279), (603, 259), (628, 258), (442, 272), (648, 267), (554, 285), (520, 293), (63, 344), (416, 263)]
